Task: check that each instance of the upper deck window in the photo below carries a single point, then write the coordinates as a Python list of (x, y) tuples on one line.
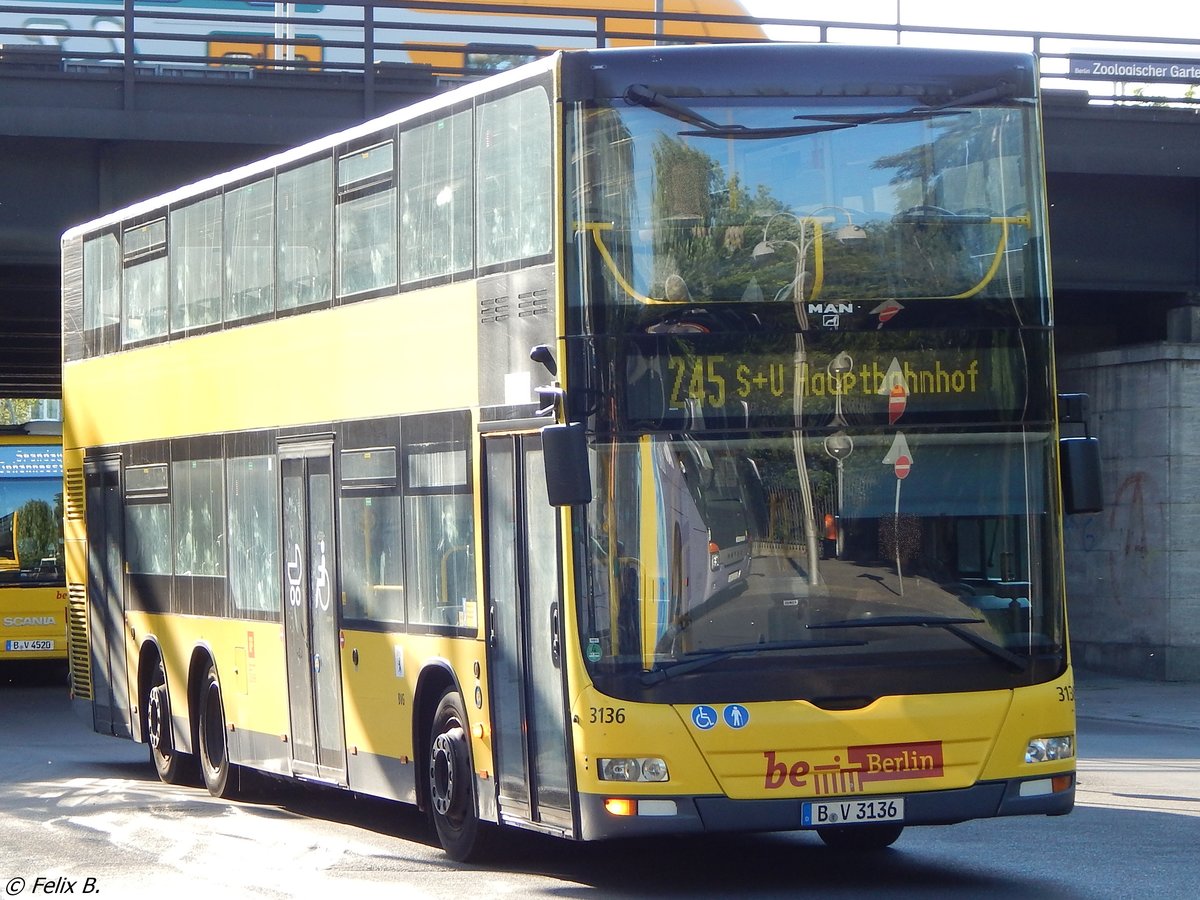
[(101, 291), (515, 212), (366, 220), (435, 200), (249, 242), (304, 247), (195, 253), (144, 286)]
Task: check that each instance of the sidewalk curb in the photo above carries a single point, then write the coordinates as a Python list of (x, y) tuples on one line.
[(1136, 720), (1161, 704)]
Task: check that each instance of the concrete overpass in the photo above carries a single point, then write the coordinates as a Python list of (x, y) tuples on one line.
[(1124, 190)]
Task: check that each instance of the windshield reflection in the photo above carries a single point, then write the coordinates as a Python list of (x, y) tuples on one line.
[(896, 207), (700, 553)]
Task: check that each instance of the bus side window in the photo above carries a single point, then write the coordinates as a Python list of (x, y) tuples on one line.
[(366, 220), (436, 203), (252, 523), (438, 532), (371, 560), (439, 521), (304, 239), (514, 177)]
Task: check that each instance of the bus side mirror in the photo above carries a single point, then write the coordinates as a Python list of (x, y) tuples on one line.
[(564, 451), (1079, 459), (1080, 463)]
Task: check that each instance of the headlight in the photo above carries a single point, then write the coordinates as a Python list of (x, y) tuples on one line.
[(654, 769), (633, 769), (1050, 748)]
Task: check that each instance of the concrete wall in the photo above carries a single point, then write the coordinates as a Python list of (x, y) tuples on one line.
[(1133, 571)]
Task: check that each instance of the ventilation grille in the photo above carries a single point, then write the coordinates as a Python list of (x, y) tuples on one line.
[(533, 303), (73, 479), (493, 309), (77, 642)]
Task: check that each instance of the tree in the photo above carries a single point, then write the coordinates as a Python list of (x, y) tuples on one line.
[(15, 411), (37, 533)]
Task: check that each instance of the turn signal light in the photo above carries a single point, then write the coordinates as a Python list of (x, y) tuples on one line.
[(620, 806)]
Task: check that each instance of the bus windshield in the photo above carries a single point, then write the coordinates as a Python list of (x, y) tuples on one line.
[(779, 200), (31, 514), (825, 454)]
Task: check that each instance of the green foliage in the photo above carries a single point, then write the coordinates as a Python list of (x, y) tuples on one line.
[(15, 411), (707, 226), (37, 533)]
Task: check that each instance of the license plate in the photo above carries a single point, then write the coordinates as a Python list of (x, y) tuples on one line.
[(817, 814), (28, 646)]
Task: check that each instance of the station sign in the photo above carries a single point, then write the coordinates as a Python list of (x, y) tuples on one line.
[(1125, 68)]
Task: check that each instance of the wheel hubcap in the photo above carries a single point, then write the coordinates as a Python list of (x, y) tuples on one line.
[(442, 770), (156, 719), (214, 736)]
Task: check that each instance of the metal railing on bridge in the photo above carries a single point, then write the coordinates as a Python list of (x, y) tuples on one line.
[(443, 39)]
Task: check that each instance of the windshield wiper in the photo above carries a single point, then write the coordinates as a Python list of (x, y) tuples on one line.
[(742, 132), (641, 95), (979, 98), (662, 671), (947, 623)]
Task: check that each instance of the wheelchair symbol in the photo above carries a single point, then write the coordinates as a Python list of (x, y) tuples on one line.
[(704, 717)]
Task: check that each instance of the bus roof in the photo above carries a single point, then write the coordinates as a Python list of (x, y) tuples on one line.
[(822, 70), (797, 70)]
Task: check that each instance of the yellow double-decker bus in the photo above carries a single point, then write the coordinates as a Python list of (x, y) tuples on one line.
[(33, 595), (637, 442)]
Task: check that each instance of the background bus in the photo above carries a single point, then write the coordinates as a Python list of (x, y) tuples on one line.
[(394, 461), (317, 36), (33, 597)]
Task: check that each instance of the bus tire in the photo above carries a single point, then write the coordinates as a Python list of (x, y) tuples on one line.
[(167, 760), (210, 737), (451, 781), (860, 838)]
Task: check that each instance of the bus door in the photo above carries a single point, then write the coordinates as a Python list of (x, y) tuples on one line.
[(311, 612), (106, 596), (525, 650)]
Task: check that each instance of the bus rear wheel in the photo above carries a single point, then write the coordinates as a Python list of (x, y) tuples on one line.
[(860, 837), (451, 781), (168, 762), (210, 728)]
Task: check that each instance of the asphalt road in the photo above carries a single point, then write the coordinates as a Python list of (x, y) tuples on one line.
[(86, 815)]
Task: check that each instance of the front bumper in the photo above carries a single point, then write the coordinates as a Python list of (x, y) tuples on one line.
[(694, 815)]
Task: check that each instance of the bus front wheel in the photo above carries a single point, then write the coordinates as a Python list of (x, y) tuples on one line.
[(210, 727), (451, 791)]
